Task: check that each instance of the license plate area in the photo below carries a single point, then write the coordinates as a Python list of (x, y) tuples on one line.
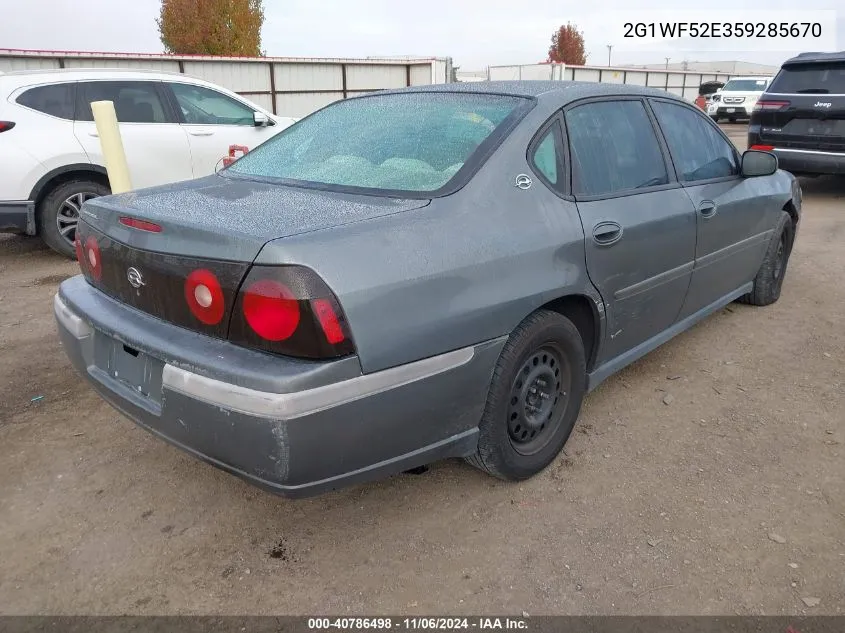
[(730, 110), (130, 367)]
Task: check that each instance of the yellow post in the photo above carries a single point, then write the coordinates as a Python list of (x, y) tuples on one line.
[(112, 145)]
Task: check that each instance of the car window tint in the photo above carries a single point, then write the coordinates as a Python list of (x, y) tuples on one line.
[(698, 150), (405, 142), (56, 100), (545, 156), (208, 107), (614, 148), (134, 101), (826, 78)]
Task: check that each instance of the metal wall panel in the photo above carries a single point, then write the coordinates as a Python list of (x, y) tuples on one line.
[(503, 73), (675, 79), (585, 74), (308, 77), (635, 77), (613, 77), (11, 64), (441, 71), (124, 64), (265, 101), (421, 74), (541, 72), (302, 104), (236, 76), (369, 76)]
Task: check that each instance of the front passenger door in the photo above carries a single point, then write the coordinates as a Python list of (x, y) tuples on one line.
[(732, 212), (213, 121), (639, 225)]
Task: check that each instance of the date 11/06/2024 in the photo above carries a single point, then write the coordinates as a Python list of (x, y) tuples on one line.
[(418, 623), (668, 30)]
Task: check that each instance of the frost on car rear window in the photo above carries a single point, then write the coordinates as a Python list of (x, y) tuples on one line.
[(828, 78), (404, 142)]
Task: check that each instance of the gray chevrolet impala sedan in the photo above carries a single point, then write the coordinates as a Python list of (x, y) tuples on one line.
[(413, 275)]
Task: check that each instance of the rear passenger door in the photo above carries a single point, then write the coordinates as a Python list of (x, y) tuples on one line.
[(733, 213), (156, 147), (639, 225)]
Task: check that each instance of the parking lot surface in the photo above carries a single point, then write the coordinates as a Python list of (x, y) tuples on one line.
[(730, 499)]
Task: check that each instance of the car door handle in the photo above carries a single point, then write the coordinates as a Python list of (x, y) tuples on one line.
[(94, 134), (607, 233), (707, 209), (200, 132)]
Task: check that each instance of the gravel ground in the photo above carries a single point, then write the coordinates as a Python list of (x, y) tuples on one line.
[(729, 500)]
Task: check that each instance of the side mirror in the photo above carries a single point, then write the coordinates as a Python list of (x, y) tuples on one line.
[(259, 119), (757, 163)]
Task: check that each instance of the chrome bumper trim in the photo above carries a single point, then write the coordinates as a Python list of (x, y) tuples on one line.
[(75, 325), (287, 406)]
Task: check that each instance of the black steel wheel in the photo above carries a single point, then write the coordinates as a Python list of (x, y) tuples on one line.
[(538, 395), (538, 385)]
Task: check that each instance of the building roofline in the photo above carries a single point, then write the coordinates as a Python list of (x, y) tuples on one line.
[(30, 53)]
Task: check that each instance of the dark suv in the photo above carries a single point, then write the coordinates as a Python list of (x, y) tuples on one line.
[(801, 117)]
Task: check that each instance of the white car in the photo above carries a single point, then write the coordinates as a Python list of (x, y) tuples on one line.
[(174, 127), (737, 98)]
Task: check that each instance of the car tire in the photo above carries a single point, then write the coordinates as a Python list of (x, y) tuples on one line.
[(769, 279), (523, 428), (714, 117), (59, 212)]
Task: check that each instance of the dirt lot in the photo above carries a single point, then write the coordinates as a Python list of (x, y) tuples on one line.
[(731, 499)]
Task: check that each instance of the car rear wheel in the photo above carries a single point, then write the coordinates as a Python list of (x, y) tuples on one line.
[(58, 213), (769, 279), (538, 385)]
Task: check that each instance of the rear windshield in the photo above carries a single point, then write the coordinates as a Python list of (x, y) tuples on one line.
[(401, 142), (745, 85), (828, 78)]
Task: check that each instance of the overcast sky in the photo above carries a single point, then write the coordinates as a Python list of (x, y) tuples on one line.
[(476, 33)]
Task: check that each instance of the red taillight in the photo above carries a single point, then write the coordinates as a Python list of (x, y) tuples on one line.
[(91, 256), (142, 225), (271, 309), (6, 125), (329, 321), (289, 310), (762, 148), (770, 105), (205, 296)]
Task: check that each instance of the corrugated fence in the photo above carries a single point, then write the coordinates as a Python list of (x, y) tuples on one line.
[(288, 86), (682, 83)]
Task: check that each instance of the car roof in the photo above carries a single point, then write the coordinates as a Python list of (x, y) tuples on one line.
[(815, 58), (560, 91)]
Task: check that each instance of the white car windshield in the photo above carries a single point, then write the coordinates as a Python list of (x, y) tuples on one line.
[(745, 85)]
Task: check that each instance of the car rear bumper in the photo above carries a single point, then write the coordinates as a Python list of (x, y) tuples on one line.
[(17, 216), (799, 161), (293, 427)]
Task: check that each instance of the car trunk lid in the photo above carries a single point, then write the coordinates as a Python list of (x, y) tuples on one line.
[(230, 218)]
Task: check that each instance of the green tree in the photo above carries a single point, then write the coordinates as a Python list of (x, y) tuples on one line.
[(568, 46), (211, 27)]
